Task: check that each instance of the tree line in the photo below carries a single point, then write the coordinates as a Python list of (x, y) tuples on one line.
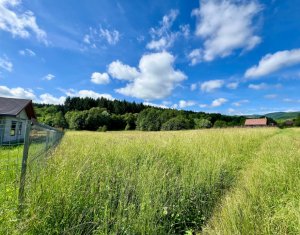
[(102, 114)]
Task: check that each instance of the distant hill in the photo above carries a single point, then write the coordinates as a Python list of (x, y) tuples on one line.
[(283, 115), (277, 115)]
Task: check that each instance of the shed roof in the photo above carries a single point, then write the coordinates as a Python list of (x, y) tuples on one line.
[(256, 122), (13, 106)]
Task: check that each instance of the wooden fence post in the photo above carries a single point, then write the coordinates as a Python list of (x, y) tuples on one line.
[(24, 165)]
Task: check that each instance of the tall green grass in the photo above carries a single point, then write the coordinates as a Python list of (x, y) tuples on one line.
[(267, 198), (137, 182), (10, 165)]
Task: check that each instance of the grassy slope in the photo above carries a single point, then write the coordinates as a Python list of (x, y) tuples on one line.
[(283, 115), (168, 182), (267, 198)]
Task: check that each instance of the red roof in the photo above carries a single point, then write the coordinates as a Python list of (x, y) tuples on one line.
[(256, 122)]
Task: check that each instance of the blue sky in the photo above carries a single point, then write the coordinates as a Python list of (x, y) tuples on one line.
[(228, 56)]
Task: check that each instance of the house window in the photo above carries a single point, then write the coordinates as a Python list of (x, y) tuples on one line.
[(20, 128), (13, 128)]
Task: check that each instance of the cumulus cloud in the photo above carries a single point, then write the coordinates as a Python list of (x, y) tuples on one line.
[(225, 26), (186, 103), (156, 105), (155, 79), (95, 36), (49, 77), (218, 102), (6, 64), (27, 52), (121, 71), (271, 63), (50, 99), (17, 92), (211, 85), (100, 78), (19, 24)]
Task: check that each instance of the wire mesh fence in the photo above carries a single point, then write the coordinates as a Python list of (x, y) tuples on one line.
[(24, 145)]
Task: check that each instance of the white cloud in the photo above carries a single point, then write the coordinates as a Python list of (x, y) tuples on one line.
[(17, 92), (163, 37), (6, 64), (195, 56), (260, 86), (271, 63), (27, 52), (86, 93), (240, 103), (86, 39), (271, 96), (203, 105), (156, 78), (156, 105), (19, 24), (218, 102), (97, 36), (166, 24), (231, 111), (185, 29), (183, 103), (288, 100), (162, 43), (232, 85), (50, 99), (225, 26), (121, 71), (111, 36), (100, 78), (49, 77), (211, 85), (193, 86)]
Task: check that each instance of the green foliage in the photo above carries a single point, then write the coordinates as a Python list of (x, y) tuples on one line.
[(176, 123), (51, 115), (102, 128), (220, 124), (297, 121), (202, 123), (149, 120)]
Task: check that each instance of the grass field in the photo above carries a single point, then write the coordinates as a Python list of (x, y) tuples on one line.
[(219, 181), (10, 162)]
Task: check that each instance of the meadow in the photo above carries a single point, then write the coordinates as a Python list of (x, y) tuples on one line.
[(217, 181)]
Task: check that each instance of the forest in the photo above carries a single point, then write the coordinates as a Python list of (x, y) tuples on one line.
[(102, 114)]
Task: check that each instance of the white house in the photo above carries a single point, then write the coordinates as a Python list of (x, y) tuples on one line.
[(14, 114)]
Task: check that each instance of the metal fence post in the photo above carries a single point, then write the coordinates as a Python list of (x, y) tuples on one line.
[(24, 164)]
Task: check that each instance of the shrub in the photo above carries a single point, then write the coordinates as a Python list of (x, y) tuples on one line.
[(202, 123)]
